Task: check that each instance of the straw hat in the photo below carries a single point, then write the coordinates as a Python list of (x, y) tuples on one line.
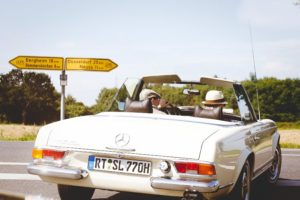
[(147, 94), (214, 97)]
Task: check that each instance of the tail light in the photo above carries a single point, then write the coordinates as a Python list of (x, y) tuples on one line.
[(195, 168), (47, 154)]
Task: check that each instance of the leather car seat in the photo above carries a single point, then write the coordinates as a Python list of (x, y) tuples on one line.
[(210, 113), (144, 106)]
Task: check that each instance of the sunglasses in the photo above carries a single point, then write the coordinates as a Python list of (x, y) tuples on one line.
[(155, 98)]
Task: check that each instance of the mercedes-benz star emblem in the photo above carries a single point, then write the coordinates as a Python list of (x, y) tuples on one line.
[(122, 139)]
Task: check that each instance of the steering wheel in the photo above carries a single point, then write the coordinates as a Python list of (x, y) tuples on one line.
[(170, 109)]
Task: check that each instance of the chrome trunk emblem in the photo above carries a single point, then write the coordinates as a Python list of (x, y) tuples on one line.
[(122, 139)]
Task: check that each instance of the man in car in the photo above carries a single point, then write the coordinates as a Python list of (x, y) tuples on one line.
[(154, 98)]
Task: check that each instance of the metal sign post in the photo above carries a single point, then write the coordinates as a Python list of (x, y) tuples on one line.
[(63, 83)]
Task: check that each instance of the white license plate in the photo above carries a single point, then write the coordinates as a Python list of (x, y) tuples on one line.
[(119, 165)]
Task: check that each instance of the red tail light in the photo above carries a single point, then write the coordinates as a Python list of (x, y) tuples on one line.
[(45, 153), (56, 155), (195, 168)]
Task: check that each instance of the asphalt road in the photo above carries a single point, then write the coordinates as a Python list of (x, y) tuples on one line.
[(14, 156)]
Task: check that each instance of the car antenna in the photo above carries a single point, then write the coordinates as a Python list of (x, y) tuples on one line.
[(254, 66)]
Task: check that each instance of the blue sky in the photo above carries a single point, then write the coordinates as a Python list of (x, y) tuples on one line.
[(192, 38)]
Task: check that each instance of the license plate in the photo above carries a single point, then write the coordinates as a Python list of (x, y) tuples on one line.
[(119, 165)]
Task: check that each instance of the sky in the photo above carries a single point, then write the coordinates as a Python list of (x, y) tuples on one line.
[(191, 38)]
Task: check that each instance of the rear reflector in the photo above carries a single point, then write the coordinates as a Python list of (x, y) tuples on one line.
[(195, 168), (44, 153)]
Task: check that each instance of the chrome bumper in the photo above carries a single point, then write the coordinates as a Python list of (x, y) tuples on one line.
[(59, 172), (184, 185)]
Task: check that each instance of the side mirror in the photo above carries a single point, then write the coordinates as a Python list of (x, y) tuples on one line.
[(191, 91)]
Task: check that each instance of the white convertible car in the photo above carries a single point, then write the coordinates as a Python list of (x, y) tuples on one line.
[(189, 151)]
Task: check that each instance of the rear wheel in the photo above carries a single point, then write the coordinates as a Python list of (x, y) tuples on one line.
[(74, 192), (243, 186), (273, 173)]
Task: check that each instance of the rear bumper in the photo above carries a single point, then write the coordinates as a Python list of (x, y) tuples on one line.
[(184, 185), (59, 172), (157, 183)]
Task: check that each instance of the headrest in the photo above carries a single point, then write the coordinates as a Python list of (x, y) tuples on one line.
[(211, 113), (144, 106)]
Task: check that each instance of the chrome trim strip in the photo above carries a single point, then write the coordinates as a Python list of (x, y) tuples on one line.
[(120, 149), (183, 185), (59, 172)]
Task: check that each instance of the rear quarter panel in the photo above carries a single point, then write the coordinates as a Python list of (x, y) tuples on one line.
[(228, 149)]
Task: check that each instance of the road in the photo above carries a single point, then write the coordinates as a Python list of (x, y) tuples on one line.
[(14, 157)]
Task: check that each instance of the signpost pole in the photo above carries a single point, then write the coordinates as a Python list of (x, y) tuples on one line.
[(63, 83)]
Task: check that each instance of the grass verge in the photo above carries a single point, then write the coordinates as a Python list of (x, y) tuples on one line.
[(288, 125), (290, 145), (26, 137), (18, 132)]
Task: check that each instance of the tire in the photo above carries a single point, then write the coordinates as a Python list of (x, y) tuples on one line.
[(273, 172), (68, 192), (242, 188)]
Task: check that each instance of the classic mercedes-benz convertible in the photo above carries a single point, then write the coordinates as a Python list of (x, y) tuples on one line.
[(163, 136)]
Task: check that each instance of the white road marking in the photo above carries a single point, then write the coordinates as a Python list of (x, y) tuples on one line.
[(13, 163), (291, 155), (11, 176)]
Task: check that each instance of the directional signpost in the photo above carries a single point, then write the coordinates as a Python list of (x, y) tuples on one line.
[(58, 63), (37, 62), (90, 64)]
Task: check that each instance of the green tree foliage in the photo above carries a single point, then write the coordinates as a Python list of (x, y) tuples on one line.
[(40, 99), (12, 96), (27, 98), (278, 99), (74, 108), (104, 100)]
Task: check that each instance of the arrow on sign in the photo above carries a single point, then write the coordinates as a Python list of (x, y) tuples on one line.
[(90, 64), (38, 62)]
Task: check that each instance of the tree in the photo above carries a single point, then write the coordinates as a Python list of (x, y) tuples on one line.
[(74, 108), (278, 99), (12, 96), (40, 99), (28, 98), (104, 100)]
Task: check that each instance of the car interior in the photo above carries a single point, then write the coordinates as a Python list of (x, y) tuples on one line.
[(190, 96)]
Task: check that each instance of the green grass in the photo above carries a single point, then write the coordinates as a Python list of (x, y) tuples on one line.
[(290, 146), (26, 137), (288, 125)]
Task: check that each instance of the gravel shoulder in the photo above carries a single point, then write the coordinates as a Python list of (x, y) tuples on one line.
[(290, 136)]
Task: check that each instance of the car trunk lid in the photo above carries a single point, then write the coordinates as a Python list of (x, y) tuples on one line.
[(143, 134)]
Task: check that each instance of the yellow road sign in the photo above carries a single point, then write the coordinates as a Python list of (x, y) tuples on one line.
[(38, 62), (90, 64)]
